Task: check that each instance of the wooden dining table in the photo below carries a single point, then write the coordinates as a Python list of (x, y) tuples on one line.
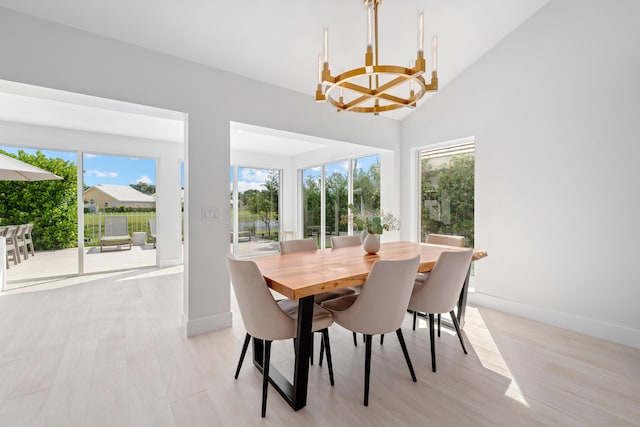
[(301, 275)]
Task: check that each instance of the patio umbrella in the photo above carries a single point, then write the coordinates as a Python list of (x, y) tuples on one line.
[(14, 170)]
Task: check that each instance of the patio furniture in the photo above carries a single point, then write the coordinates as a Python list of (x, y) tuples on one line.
[(152, 231), (116, 232), (10, 234), (28, 240), (20, 242)]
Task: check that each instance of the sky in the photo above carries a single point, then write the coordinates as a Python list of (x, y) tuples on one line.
[(99, 169), (253, 178)]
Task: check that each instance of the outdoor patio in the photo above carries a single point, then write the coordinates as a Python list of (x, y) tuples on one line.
[(46, 267)]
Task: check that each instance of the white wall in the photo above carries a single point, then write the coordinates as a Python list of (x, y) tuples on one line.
[(47, 54), (554, 110)]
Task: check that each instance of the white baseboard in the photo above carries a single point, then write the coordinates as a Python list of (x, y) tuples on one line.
[(206, 324), (595, 328)]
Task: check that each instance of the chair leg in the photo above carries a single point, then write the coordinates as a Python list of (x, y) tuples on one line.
[(327, 347), (433, 342), (265, 375), (438, 325), (321, 350), (415, 318), (455, 323), (406, 354), (355, 339), (381, 339), (367, 368), (247, 338)]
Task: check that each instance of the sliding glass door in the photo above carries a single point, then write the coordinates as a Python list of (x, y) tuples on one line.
[(255, 210), (327, 191)]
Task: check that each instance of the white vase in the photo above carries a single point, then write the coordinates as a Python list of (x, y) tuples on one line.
[(371, 243)]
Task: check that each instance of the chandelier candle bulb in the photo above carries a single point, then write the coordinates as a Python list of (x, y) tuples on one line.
[(325, 46), (369, 7), (435, 53), (421, 32)]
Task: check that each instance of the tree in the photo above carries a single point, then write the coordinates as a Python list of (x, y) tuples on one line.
[(264, 203), (366, 190), (311, 201), (145, 188), (337, 193), (448, 197), (50, 205)]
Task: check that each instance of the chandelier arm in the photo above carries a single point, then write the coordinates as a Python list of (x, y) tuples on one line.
[(349, 106)]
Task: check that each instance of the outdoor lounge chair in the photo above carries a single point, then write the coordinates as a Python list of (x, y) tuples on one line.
[(152, 231), (116, 232)]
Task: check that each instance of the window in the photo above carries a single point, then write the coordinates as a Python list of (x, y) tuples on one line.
[(255, 210), (328, 190), (447, 191)]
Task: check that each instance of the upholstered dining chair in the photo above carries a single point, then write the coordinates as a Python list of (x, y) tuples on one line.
[(267, 319), (290, 246), (379, 308), (436, 239), (440, 292), (338, 242), (298, 245)]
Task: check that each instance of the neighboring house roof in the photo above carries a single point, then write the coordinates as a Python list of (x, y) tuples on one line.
[(123, 193)]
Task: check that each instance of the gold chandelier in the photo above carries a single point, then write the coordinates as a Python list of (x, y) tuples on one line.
[(376, 88)]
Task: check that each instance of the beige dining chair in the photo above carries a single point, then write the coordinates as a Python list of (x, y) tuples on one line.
[(291, 246), (267, 319), (338, 242), (298, 245), (436, 239), (379, 308), (440, 292)]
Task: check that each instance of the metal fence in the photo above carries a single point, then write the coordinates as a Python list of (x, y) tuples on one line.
[(94, 224)]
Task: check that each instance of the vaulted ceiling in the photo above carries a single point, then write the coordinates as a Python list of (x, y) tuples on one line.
[(278, 41)]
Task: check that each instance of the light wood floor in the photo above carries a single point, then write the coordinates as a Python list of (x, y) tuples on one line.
[(108, 351)]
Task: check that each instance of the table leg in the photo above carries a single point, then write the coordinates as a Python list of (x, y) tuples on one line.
[(295, 394)]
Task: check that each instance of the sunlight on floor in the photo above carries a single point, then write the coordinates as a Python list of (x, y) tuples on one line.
[(489, 354), (485, 348)]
